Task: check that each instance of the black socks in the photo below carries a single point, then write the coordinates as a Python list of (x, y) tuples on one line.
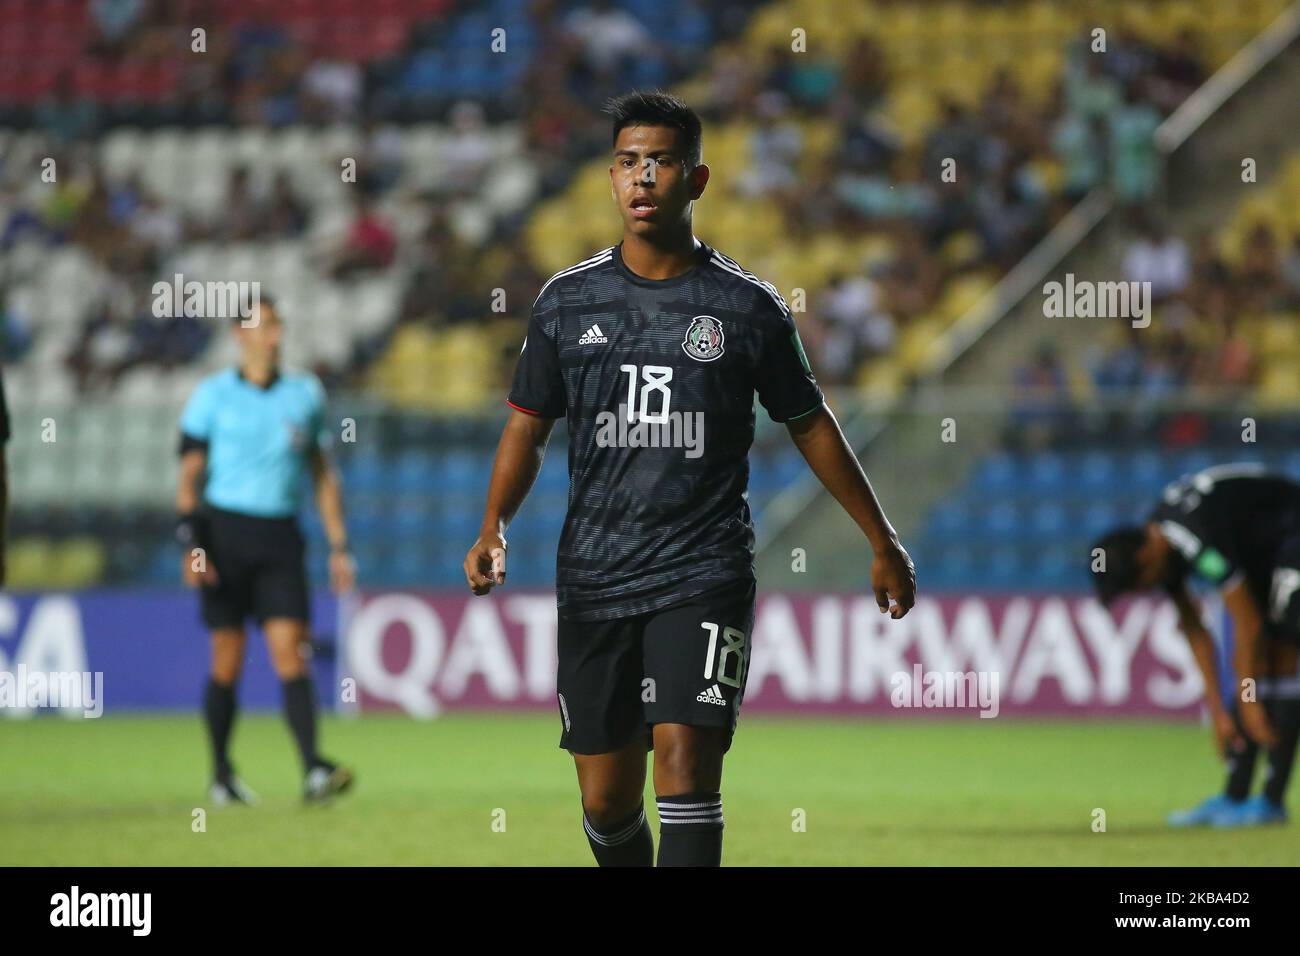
[(628, 843), (690, 830), (300, 712), (219, 714), (1285, 715)]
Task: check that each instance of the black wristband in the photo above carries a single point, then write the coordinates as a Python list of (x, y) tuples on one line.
[(191, 530)]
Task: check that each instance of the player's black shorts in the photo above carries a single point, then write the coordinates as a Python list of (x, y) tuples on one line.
[(260, 570), (684, 664)]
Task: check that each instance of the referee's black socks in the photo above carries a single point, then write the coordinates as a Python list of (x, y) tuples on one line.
[(300, 712), (219, 714), (627, 843), (690, 830)]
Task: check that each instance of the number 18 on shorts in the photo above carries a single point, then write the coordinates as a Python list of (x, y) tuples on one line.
[(684, 664)]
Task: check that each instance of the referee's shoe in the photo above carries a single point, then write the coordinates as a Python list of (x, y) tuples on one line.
[(325, 781)]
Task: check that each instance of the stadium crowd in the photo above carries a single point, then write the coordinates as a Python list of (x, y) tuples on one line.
[(1020, 163)]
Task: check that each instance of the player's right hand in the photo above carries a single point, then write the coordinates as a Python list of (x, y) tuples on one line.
[(1226, 736), (485, 565), (894, 576), (1256, 723), (192, 578)]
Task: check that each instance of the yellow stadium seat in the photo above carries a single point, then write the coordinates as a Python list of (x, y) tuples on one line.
[(29, 563), (1279, 385), (78, 563), (881, 379)]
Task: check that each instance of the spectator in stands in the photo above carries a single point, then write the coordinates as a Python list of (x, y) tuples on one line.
[(468, 150), (16, 333), (241, 215), (956, 137), (849, 325), (286, 216), (66, 117), (114, 22), (331, 90), (1041, 406), (1291, 274), (1177, 73), (1157, 257), (1009, 213), (865, 78), (18, 220), (1134, 163), (774, 148), (1076, 143), (607, 40), (1261, 267), (370, 243), (732, 84), (912, 278), (156, 224), (381, 155), (1089, 91)]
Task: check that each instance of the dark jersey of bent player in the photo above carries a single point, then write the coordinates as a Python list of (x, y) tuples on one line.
[(648, 526), (1231, 520)]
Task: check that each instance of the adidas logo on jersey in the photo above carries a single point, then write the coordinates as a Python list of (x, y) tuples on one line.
[(711, 695), (593, 336)]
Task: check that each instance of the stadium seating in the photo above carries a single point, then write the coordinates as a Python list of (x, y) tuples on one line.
[(413, 493)]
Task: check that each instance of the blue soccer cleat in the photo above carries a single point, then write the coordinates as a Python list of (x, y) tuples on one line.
[(1256, 812), (1204, 813)]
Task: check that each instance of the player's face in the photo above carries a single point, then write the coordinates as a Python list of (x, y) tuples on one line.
[(261, 342), (650, 182), (1154, 560)]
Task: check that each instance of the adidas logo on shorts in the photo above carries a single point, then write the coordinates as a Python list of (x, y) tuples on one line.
[(711, 695), (593, 336)]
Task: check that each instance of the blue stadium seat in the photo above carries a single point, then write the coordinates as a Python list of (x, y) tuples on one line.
[(463, 471), (996, 475), (364, 473), (1146, 467), (1098, 518), (412, 472), (1002, 520), (951, 519), (1049, 520), (1098, 473), (1047, 472)]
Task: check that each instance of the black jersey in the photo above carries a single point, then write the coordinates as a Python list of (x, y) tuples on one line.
[(1231, 521), (657, 379)]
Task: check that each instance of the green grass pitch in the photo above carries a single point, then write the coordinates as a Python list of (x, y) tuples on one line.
[(122, 790)]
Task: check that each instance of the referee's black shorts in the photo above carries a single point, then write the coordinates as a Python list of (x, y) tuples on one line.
[(261, 570)]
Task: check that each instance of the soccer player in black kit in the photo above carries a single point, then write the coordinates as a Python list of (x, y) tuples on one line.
[(653, 350), (1236, 527)]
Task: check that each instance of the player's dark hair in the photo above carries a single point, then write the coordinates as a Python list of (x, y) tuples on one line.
[(656, 108), (1120, 551), (262, 299)]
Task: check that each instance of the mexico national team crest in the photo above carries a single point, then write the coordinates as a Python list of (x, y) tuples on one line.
[(704, 339)]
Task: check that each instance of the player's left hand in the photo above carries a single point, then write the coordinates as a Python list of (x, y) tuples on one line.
[(1256, 723), (894, 576), (343, 572)]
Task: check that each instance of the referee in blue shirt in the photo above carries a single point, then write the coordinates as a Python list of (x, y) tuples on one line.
[(255, 432)]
